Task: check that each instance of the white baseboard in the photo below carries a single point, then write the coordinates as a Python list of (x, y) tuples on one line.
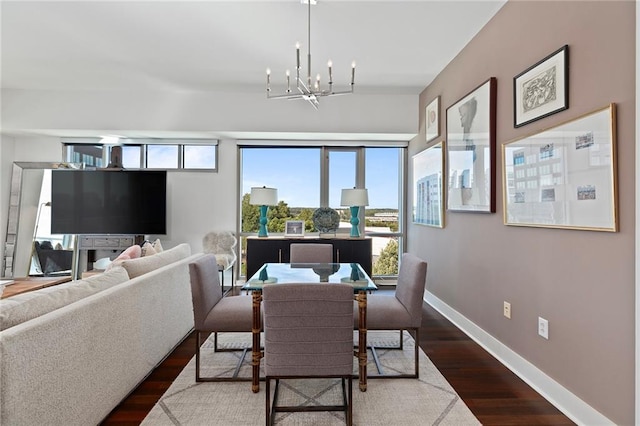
[(573, 407)]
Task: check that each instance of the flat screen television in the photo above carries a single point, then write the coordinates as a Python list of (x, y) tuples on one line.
[(109, 202)]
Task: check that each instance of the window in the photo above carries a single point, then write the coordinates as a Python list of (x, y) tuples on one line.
[(167, 154), (310, 177), (132, 156), (199, 156), (91, 155), (162, 156)]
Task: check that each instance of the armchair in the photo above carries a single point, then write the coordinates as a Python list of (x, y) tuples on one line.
[(222, 245)]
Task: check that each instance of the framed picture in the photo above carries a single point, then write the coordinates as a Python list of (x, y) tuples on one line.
[(471, 153), (565, 176), (428, 200), (294, 228), (542, 89), (432, 119)]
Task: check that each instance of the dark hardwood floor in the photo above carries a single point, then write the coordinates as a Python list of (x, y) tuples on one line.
[(494, 394)]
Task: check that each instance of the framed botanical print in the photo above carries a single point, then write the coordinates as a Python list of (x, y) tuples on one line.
[(471, 153)]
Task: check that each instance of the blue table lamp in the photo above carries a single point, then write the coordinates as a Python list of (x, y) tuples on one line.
[(354, 198), (263, 197)]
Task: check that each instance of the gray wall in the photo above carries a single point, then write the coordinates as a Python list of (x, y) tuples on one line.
[(581, 281)]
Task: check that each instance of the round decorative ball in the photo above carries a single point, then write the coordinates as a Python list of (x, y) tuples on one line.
[(326, 219)]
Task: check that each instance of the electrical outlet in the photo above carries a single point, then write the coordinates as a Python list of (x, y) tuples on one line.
[(507, 310), (543, 327)]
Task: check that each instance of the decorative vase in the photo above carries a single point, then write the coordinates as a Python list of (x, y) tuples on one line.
[(326, 220)]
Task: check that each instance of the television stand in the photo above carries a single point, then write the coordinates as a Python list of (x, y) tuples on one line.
[(94, 247)]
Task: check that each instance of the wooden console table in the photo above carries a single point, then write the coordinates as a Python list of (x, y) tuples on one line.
[(276, 250), (23, 285)]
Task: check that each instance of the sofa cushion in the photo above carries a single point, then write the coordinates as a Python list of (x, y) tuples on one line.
[(142, 265), (23, 307)]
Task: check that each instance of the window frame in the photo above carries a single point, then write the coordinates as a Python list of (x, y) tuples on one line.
[(144, 144), (325, 150)]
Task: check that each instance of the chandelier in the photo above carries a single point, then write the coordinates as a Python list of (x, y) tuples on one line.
[(309, 91)]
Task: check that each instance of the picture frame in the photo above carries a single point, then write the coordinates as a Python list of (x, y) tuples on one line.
[(432, 119), (565, 176), (471, 151), (428, 194), (542, 89), (294, 228)]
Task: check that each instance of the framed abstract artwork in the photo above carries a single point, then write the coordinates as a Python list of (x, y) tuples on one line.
[(428, 202), (542, 89), (565, 176), (432, 119), (471, 152)]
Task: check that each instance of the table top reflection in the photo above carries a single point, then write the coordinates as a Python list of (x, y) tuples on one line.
[(281, 273)]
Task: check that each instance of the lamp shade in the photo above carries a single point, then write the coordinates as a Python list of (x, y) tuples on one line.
[(263, 196), (354, 197)]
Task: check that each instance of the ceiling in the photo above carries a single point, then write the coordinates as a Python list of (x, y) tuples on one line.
[(398, 46)]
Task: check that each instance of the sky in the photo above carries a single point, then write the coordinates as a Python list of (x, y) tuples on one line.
[(295, 173)]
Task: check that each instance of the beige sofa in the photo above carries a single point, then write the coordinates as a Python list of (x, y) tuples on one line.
[(71, 353)]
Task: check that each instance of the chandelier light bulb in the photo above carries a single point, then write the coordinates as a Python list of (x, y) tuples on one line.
[(268, 81), (353, 72), (288, 82)]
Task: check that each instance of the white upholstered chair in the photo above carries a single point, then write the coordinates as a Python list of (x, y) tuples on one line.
[(223, 246)]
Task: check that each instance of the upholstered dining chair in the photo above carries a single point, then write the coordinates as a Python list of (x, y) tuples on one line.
[(223, 246), (308, 333), (310, 253), (401, 310), (213, 313)]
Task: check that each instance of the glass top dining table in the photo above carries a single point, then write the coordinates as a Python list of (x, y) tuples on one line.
[(274, 273), (312, 273)]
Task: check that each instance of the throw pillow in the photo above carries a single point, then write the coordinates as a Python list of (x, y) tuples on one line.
[(147, 249), (157, 246), (132, 252)]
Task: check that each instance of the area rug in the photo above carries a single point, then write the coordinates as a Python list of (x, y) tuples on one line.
[(429, 400)]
